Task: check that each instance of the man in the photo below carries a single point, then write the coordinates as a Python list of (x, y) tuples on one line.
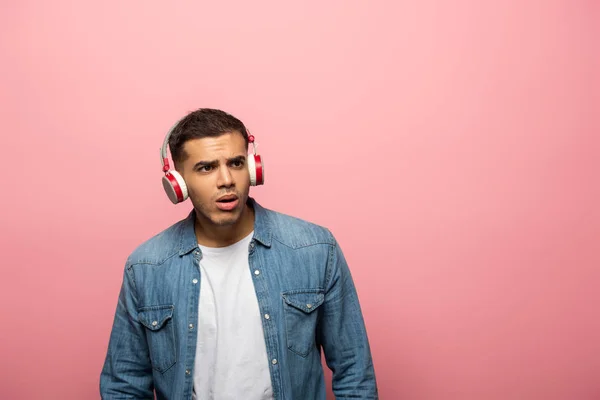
[(235, 301)]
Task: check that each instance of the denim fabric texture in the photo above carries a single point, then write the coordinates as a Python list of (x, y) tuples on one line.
[(301, 280)]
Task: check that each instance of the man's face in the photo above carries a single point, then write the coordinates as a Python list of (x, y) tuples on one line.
[(216, 174)]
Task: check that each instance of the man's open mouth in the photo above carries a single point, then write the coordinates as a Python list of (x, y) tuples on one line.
[(227, 199)]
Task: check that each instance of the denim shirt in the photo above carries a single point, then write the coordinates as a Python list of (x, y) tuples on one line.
[(301, 280)]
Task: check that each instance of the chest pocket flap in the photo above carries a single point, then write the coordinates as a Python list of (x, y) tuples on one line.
[(304, 300), (155, 317)]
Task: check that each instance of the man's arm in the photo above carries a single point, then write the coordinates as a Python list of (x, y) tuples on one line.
[(343, 335), (127, 372)]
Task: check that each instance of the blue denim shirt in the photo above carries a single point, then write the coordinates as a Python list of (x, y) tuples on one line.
[(301, 280)]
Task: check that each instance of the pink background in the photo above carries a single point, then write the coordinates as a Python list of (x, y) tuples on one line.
[(452, 147)]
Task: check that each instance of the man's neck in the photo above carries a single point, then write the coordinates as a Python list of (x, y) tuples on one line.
[(221, 236)]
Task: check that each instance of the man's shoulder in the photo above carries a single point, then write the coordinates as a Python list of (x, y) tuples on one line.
[(160, 247), (297, 232)]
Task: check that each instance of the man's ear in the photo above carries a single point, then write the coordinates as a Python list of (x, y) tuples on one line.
[(178, 163), (178, 167)]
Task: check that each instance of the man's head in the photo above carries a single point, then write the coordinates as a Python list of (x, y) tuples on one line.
[(209, 149)]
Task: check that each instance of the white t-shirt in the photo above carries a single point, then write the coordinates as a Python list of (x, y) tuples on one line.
[(231, 357)]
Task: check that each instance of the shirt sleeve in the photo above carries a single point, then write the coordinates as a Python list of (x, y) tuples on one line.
[(343, 335), (127, 371)]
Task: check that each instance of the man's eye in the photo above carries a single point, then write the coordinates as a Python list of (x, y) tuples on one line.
[(205, 168), (238, 163)]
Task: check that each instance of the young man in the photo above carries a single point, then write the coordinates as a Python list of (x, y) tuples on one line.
[(236, 301)]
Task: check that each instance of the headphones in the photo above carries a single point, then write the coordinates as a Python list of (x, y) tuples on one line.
[(175, 186)]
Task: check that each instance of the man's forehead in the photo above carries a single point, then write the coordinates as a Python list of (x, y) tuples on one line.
[(214, 147)]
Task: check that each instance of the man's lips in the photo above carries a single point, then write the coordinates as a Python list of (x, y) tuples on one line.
[(227, 202), (228, 197)]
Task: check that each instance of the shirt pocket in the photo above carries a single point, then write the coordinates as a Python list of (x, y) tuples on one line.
[(301, 313), (160, 333)]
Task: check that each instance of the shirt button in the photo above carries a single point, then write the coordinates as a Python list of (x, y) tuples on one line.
[(274, 361), (309, 306), (154, 323), (187, 371), (256, 272), (191, 326), (194, 281), (267, 316)]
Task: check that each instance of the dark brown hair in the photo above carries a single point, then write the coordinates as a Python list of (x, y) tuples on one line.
[(204, 122)]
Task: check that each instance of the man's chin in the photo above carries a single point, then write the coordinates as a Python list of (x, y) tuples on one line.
[(226, 218), (225, 222)]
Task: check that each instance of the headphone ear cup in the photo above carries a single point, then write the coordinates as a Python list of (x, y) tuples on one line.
[(256, 169), (175, 187), (260, 170), (252, 169)]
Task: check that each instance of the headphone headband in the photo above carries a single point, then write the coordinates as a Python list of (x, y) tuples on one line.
[(163, 150)]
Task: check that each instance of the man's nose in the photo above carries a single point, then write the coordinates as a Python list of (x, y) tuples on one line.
[(225, 177)]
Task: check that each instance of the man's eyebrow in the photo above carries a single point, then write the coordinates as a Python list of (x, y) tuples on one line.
[(238, 158), (206, 163), (213, 163)]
